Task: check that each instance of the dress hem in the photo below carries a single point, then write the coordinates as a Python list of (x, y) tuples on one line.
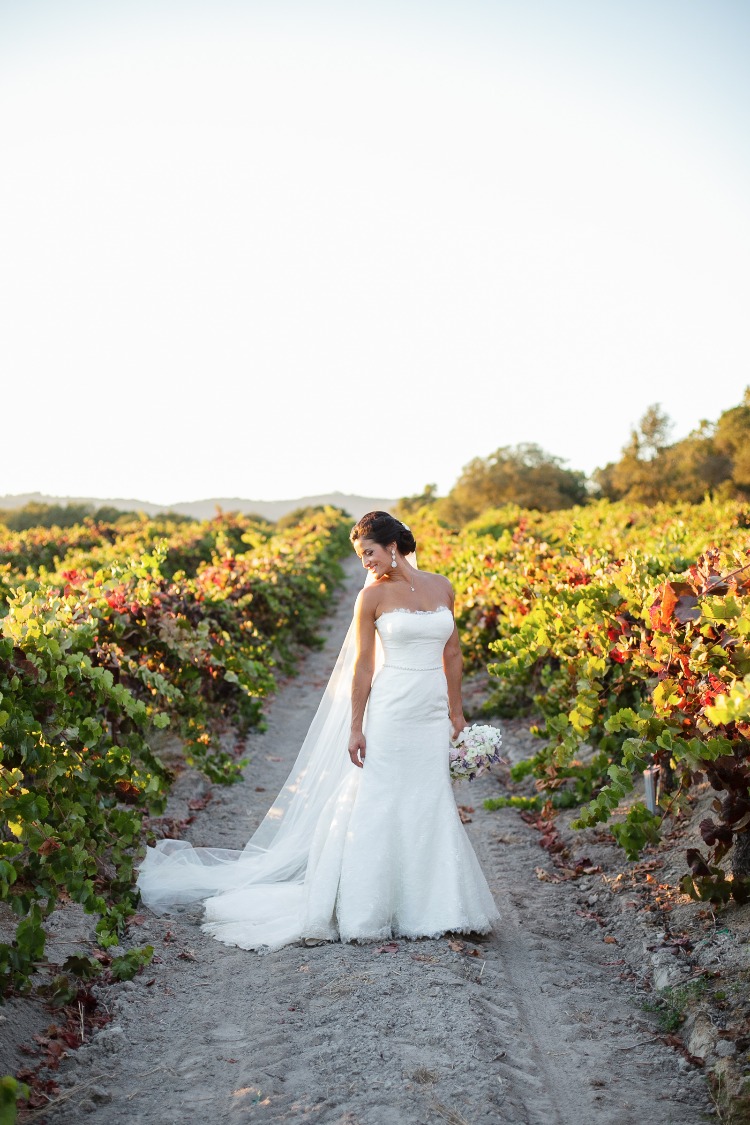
[(384, 935), (404, 935)]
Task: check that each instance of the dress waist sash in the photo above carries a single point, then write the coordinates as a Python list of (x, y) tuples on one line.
[(403, 668)]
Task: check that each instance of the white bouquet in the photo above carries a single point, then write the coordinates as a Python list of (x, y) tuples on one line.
[(473, 750)]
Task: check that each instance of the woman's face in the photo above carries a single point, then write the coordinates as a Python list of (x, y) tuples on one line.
[(374, 558)]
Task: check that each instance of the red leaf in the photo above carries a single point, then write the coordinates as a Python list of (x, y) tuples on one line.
[(669, 600), (673, 1040), (127, 792), (198, 803), (590, 914), (391, 947)]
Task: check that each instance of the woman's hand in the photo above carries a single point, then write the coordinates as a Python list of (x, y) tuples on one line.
[(458, 722), (357, 748)]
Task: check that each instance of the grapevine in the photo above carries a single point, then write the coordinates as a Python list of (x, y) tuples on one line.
[(109, 634), (626, 629)]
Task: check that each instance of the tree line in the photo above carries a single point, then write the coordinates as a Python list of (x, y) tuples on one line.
[(713, 460), (38, 514)]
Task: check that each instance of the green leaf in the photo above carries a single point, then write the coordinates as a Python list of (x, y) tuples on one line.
[(126, 966), (11, 1092)]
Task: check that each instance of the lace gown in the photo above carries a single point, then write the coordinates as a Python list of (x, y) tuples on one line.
[(389, 856)]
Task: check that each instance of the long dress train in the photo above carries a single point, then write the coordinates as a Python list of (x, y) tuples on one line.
[(378, 852)]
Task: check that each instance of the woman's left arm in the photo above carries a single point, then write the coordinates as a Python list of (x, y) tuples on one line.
[(453, 665)]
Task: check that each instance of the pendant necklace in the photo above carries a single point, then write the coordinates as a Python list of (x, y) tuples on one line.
[(394, 564)]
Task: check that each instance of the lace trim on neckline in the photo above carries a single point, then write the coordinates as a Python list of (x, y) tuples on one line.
[(416, 612)]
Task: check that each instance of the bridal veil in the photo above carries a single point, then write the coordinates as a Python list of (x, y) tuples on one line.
[(260, 889)]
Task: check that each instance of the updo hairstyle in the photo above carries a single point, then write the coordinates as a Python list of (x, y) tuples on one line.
[(384, 529)]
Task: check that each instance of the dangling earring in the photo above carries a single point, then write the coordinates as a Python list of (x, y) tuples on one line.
[(393, 557)]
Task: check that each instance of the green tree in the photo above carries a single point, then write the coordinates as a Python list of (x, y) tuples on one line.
[(696, 466), (712, 460), (642, 473), (732, 440), (35, 514), (408, 505), (653, 432), (522, 474)]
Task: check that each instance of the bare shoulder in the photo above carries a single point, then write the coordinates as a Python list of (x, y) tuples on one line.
[(439, 584), (367, 602)]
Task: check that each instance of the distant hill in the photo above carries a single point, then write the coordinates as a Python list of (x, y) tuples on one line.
[(356, 506)]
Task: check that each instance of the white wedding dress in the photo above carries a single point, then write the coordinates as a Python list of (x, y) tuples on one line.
[(348, 853)]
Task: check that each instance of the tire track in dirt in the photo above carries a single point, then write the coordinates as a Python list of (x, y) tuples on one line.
[(527, 1027)]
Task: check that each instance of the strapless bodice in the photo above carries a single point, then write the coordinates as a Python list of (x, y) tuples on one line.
[(414, 639)]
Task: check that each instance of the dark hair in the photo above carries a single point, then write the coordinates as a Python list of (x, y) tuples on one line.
[(384, 529)]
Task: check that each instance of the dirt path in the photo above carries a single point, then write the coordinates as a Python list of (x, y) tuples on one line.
[(530, 1027)]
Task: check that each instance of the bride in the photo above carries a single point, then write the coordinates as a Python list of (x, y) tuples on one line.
[(369, 845)]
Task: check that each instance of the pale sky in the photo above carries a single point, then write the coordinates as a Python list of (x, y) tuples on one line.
[(269, 249)]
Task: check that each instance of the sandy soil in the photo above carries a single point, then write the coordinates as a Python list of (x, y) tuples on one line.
[(531, 1026)]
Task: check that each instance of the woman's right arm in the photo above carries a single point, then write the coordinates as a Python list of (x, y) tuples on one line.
[(364, 668)]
